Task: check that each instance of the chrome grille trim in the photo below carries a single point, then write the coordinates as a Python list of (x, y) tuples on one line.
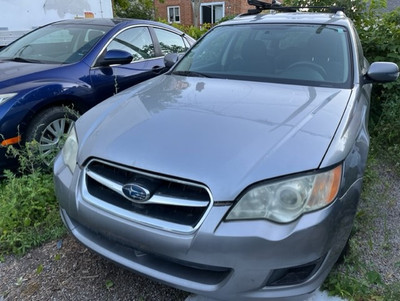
[(156, 199), (99, 183)]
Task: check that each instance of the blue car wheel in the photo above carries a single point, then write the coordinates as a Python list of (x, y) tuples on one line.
[(49, 129)]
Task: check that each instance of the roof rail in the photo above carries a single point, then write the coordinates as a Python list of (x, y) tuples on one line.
[(276, 5)]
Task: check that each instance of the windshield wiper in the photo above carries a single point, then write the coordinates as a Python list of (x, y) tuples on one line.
[(190, 73), (20, 59)]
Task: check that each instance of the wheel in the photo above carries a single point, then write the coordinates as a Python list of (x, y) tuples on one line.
[(310, 65), (49, 128)]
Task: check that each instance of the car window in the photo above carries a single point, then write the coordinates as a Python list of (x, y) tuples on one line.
[(294, 54), (212, 55), (170, 42), (62, 35), (55, 44), (137, 41)]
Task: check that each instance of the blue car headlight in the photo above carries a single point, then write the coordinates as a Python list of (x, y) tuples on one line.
[(6, 96), (284, 201), (70, 150)]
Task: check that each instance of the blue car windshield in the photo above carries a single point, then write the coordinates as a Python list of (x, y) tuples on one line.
[(54, 44), (317, 55)]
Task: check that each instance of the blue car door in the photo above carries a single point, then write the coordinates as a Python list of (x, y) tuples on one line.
[(109, 80)]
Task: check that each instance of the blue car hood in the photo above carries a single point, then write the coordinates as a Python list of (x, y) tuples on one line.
[(13, 72), (226, 134)]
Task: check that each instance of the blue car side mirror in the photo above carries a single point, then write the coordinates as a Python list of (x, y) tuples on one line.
[(116, 57)]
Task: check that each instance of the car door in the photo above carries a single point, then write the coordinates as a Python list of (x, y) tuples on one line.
[(109, 80)]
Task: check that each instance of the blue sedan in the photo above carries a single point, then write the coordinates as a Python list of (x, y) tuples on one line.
[(51, 75)]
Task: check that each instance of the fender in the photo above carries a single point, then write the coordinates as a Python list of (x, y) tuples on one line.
[(33, 97)]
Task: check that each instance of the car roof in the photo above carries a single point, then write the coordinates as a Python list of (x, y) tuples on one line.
[(112, 22), (338, 18)]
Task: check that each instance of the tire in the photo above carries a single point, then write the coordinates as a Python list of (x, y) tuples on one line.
[(49, 128)]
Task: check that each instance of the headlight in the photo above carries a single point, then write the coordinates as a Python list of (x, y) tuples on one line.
[(70, 150), (5, 97), (286, 200)]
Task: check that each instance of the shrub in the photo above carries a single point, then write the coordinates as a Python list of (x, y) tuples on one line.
[(28, 206), (193, 31), (29, 158), (380, 35), (29, 212)]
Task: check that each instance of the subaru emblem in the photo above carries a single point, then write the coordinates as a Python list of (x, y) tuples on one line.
[(136, 193)]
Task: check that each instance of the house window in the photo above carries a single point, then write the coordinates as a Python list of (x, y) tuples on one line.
[(212, 12), (174, 14)]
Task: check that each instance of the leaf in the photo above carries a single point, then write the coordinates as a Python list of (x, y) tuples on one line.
[(27, 221), (109, 284), (39, 269), (20, 280), (374, 277)]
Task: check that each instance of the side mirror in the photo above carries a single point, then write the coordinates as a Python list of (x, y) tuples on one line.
[(382, 72), (115, 57), (170, 59)]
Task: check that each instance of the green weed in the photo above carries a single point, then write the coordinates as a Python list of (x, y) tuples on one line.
[(109, 284), (29, 212), (356, 279)]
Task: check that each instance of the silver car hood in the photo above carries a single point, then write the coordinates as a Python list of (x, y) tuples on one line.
[(226, 134)]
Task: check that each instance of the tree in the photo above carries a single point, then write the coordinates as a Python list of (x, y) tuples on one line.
[(123, 4), (354, 9), (196, 12), (136, 9)]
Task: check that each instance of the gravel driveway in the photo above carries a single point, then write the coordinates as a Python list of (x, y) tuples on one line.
[(65, 270), (72, 272)]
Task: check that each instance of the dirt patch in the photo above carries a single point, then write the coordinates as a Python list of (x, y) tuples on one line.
[(66, 270)]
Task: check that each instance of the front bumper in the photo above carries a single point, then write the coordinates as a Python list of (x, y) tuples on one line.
[(241, 260)]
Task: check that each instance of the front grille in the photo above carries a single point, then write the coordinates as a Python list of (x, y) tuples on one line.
[(175, 205)]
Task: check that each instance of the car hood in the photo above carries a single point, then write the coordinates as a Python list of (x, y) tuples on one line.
[(10, 70), (226, 134)]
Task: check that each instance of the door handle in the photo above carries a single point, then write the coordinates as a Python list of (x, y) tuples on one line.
[(158, 69)]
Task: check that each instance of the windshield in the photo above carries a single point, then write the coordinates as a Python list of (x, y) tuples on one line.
[(55, 44), (294, 54)]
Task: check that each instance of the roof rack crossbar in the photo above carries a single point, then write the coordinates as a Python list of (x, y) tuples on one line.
[(275, 5)]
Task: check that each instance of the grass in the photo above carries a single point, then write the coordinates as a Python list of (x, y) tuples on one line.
[(29, 211), (28, 206), (357, 278)]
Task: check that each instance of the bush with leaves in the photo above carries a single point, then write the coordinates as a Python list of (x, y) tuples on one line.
[(193, 31), (29, 212), (354, 8), (28, 206), (136, 9), (381, 40), (29, 158)]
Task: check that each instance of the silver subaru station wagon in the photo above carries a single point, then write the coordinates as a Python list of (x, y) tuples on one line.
[(237, 174)]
